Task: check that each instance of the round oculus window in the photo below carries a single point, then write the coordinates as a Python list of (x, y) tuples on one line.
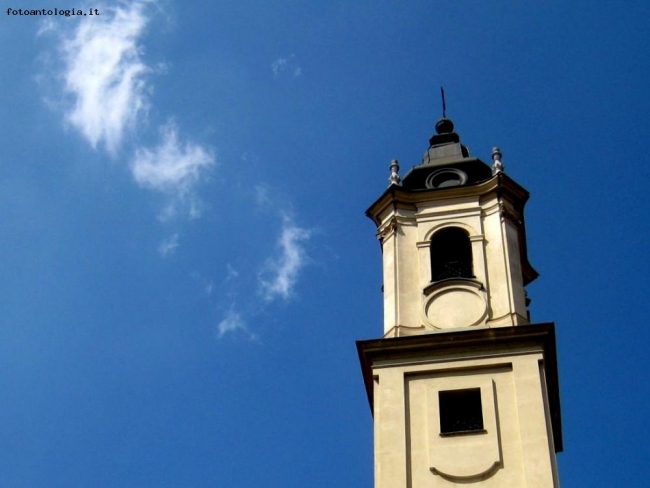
[(446, 178)]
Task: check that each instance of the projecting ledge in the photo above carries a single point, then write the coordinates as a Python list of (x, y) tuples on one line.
[(468, 343)]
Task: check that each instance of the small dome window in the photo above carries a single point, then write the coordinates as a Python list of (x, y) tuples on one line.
[(451, 254), (445, 178)]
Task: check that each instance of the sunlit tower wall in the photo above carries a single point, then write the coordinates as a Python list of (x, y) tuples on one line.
[(463, 388)]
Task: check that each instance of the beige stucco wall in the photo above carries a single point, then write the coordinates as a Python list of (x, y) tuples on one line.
[(515, 449), (412, 304)]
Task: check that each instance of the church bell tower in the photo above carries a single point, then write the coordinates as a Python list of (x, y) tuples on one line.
[(462, 387)]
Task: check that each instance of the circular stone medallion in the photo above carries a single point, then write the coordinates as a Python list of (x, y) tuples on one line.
[(455, 306)]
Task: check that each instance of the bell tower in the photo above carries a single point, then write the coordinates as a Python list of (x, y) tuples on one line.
[(463, 388)]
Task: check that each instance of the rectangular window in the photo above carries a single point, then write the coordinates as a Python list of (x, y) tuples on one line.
[(461, 411)]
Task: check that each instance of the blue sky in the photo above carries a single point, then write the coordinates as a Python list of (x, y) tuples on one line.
[(186, 260)]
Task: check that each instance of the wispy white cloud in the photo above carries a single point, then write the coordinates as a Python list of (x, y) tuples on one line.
[(280, 273), (231, 272), (279, 65), (288, 64), (173, 168), (104, 73), (168, 246), (207, 285), (262, 197), (233, 323)]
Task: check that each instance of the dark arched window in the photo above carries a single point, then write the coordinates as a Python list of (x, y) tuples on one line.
[(451, 254)]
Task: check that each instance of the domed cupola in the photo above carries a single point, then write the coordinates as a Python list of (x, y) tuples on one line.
[(446, 163), (453, 241)]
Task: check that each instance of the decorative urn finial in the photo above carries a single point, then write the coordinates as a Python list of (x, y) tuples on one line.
[(498, 166), (394, 178)]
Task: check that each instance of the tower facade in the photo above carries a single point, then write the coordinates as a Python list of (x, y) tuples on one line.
[(463, 388)]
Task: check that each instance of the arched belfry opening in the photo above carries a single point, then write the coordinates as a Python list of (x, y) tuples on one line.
[(451, 254)]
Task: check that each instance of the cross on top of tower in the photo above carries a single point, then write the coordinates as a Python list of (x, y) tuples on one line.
[(444, 125)]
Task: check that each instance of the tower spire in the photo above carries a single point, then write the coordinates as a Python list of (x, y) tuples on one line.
[(444, 125), (444, 105)]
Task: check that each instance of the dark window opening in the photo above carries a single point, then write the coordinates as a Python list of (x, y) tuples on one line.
[(451, 254), (460, 411)]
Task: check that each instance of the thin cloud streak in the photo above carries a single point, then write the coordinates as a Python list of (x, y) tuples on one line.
[(281, 65), (168, 246), (173, 168), (279, 276), (104, 73), (233, 323)]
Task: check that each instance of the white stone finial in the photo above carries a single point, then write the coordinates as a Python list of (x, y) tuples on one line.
[(394, 178), (498, 166)]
